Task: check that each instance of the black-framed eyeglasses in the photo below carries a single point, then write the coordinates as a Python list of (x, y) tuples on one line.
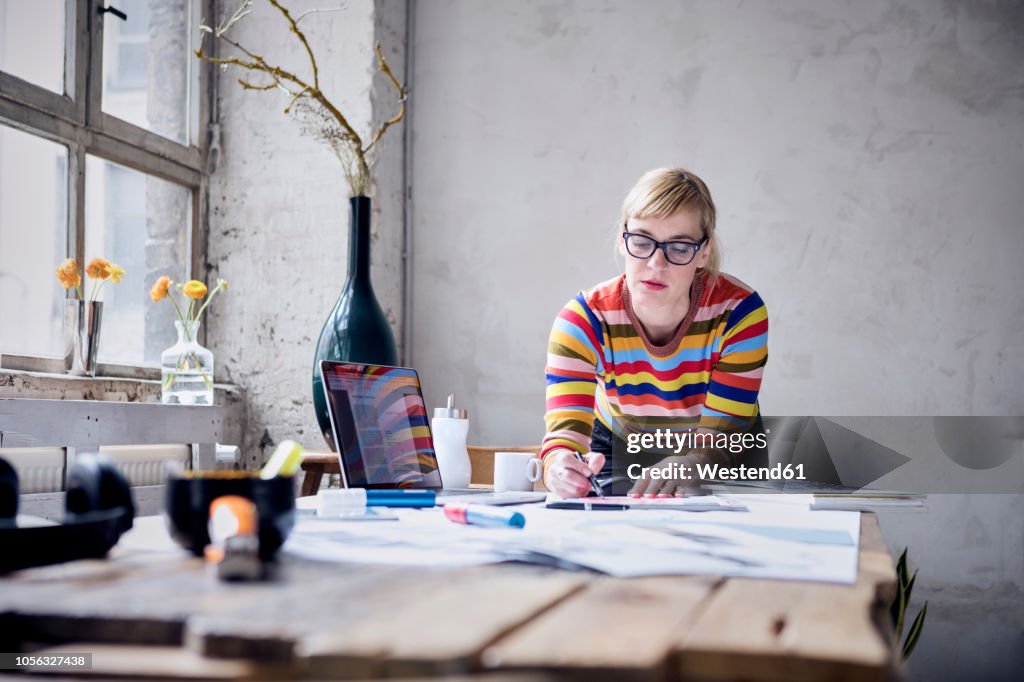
[(678, 253)]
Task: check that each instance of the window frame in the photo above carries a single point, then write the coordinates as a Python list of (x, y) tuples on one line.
[(76, 120)]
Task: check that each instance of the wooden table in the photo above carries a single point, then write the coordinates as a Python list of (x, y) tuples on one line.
[(150, 611)]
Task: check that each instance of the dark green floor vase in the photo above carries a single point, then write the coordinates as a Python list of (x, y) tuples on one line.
[(356, 330)]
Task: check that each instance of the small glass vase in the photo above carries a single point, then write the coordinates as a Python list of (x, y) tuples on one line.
[(187, 369), (81, 336)]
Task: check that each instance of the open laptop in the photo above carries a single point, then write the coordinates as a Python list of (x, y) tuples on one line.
[(382, 433)]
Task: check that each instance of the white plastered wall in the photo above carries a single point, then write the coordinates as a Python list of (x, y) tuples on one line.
[(279, 209)]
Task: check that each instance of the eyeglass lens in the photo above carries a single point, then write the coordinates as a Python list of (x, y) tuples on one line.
[(677, 253)]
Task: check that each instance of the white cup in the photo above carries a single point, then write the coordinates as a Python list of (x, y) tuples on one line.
[(516, 471)]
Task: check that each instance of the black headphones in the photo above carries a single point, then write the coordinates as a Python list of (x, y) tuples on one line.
[(97, 511)]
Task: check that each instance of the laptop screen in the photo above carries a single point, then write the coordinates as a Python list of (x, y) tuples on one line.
[(380, 425)]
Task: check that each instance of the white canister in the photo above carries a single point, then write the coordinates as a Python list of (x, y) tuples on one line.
[(450, 428)]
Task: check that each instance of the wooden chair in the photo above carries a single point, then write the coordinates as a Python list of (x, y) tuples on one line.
[(481, 459), (314, 466)]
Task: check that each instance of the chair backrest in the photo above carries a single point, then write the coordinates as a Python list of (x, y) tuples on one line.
[(481, 459)]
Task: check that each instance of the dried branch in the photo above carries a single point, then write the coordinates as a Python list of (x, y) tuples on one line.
[(402, 94), (302, 37), (318, 11), (259, 64), (249, 86), (317, 114), (239, 14), (295, 98)]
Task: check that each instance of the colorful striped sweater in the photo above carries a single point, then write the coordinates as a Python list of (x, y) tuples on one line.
[(601, 364)]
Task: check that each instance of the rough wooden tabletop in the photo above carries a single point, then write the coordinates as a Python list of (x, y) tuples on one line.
[(147, 611)]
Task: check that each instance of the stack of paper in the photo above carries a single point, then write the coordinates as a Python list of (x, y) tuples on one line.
[(768, 541)]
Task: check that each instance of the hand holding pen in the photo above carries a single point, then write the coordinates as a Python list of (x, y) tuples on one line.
[(570, 474)]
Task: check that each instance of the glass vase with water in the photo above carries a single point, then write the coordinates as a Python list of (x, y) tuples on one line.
[(187, 369)]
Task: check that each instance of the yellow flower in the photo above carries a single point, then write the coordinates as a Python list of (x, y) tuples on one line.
[(159, 290), (99, 268), (194, 289), (68, 274), (116, 273)]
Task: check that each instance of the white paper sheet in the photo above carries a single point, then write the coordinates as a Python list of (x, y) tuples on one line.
[(772, 540)]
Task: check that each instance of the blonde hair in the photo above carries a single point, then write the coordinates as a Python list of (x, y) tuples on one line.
[(664, 192)]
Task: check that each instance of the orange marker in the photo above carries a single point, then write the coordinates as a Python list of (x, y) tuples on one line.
[(234, 539)]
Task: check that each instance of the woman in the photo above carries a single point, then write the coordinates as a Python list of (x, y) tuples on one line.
[(671, 343)]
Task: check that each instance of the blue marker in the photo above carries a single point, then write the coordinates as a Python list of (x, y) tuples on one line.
[(400, 498), (354, 501)]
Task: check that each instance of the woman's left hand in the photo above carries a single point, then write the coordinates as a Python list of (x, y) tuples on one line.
[(675, 485)]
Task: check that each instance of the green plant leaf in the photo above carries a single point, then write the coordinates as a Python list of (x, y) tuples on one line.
[(899, 602), (901, 568), (915, 632), (910, 586), (901, 610)]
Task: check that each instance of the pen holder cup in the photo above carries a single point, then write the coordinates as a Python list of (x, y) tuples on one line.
[(188, 498)]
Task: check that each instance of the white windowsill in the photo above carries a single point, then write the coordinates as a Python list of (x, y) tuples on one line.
[(55, 367), (23, 376), (36, 383)]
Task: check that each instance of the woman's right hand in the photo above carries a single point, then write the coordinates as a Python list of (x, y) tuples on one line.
[(567, 476)]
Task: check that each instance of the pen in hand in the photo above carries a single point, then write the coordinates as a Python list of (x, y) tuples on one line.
[(595, 487)]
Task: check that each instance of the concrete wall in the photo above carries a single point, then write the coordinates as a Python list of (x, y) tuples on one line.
[(969, 551), (866, 159), (279, 209)]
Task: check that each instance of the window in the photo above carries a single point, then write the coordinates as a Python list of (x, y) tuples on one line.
[(148, 67), (33, 209), (137, 221), (100, 155), (32, 41), (125, 55)]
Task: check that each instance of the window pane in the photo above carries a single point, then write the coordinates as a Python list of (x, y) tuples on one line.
[(32, 41), (149, 71), (141, 223), (33, 242)]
